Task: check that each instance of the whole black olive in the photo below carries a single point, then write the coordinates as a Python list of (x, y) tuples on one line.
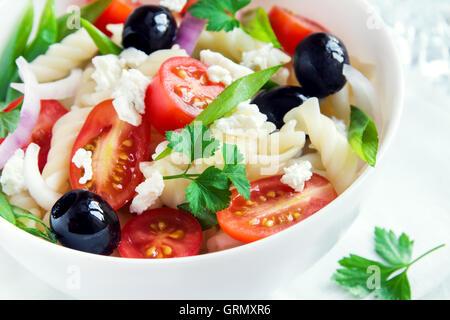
[(84, 221), (318, 63), (150, 28), (276, 102)]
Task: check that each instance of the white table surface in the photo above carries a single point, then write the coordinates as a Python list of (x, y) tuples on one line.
[(410, 194)]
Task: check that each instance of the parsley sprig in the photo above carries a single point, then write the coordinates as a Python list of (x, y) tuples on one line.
[(209, 190), (386, 280)]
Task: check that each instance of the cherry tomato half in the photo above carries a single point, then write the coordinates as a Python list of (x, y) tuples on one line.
[(273, 207), (117, 149), (178, 93), (117, 12), (291, 28), (161, 233)]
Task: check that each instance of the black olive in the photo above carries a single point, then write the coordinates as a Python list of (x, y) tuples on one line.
[(84, 221), (150, 28), (318, 63), (276, 102)]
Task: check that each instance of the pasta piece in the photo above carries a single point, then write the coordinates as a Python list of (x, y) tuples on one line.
[(65, 131), (72, 52), (338, 158), (86, 95), (25, 201), (154, 61)]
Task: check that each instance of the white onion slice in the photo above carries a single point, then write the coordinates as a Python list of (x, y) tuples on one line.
[(364, 93), (61, 89), (38, 189), (29, 113)]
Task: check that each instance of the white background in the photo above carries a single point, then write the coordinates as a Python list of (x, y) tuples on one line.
[(411, 193)]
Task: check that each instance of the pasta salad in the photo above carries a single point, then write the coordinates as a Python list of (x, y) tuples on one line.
[(179, 128)]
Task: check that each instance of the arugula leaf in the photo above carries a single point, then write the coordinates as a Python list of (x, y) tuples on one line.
[(256, 23), (235, 170), (357, 272), (206, 218), (210, 190), (15, 48), (194, 140), (104, 44), (89, 12), (363, 136), (6, 211), (9, 121), (47, 32), (221, 14)]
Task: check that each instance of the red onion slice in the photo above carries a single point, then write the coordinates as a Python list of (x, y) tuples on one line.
[(29, 113), (189, 32)]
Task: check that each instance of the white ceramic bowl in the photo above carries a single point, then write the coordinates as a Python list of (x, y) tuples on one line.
[(254, 270)]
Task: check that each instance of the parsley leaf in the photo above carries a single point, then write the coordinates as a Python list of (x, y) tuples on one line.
[(235, 170), (194, 141), (9, 121), (206, 218), (221, 14), (210, 190), (361, 276)]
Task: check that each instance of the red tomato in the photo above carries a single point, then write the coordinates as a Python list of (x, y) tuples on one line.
[(51, 111), (117, 149), (117, 12), (291, 28), (13, 104), (273, 207), (178, 93), (188, 4), (161, 233)]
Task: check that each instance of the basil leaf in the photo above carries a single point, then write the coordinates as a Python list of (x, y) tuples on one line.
[(90, 12), (256, 23), (363, 136), (101, 40), (47, 33), (6, 211), (20, 213), (15, 48), (206, 218), (240, 90)]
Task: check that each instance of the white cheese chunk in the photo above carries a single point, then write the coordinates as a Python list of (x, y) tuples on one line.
[(264, 57), (174, 5), (12, 179), (117, 32), (220, 75), (107, 70), (129, 95), (149, 191), (83, 159), (297, 174), (212, 58)]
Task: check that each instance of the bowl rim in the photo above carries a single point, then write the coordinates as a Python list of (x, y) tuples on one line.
[(397, 71)]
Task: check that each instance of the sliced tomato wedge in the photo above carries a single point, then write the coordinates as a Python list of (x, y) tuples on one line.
[(291, 28), (10, 107), (178, 93), (273, 207), (161, 233), (117, 12), (117, 149)]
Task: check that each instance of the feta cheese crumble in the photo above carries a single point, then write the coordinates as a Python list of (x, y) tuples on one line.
[(107, 71), (220, 75), (297, 174), (149, 191), (264, 57), (212, 58), (83, 159), (12, 179), (173, 5), (117, 32)]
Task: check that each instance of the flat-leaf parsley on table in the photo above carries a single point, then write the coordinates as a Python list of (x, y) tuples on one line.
[(387, 280)]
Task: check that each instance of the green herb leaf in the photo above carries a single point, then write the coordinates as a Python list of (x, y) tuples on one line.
[(362, 277), (89, 12), (210, 190), (101, 40), (256, 23), (240, 90), (363, 136), (9, 121), (221, 14), (6, 211), (395, 251), (206, 218), (47, 33), (194, 141), (235, 170), (14, 48), (20, 213)]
